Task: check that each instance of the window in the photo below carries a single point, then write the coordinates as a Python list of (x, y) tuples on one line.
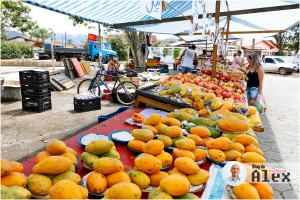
[(279, 60), (269, 60)]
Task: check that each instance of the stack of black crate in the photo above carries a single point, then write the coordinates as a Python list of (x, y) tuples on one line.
[(35, 90)]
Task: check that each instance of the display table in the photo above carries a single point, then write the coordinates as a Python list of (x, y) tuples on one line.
[(113, 124)]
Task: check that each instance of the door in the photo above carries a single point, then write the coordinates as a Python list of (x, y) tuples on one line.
[(270, 65)]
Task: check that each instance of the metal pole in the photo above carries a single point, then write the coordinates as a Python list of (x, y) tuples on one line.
[(100, 48), (52, 51), (215, 47)]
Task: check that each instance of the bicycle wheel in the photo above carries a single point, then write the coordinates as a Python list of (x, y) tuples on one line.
[(88, 86), (125, 93)]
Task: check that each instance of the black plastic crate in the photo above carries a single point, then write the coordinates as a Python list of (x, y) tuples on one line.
[(31, 77), (35, 90), (32, 104), (82, 105)]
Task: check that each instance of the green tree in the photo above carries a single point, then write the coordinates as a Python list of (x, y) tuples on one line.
[(137, 43), (78, 21), (14, 14), (70, 42), (120, 46), (13, 50), (136, 40), (160, 43), (289, 39)]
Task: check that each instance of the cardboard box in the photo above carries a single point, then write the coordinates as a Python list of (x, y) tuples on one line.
[(135, 80)]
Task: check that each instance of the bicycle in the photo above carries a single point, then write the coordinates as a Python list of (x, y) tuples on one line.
[(123, 91)]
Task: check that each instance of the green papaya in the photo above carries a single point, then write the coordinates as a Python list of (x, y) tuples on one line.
[(6, 193), (215, 133), (175, 139), (20, 193), (181, 116), (174, 89), (214, 124), (184, 91), (163, 93), (89, 159), (187, 196), (112, 154), (202, 121)]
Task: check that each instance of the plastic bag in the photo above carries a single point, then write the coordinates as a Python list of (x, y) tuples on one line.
[(260, 104)]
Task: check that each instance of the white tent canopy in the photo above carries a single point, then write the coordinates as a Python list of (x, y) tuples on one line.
[(126, 14)]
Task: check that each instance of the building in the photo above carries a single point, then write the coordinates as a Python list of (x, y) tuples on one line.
[(35, 42), (261, 47)]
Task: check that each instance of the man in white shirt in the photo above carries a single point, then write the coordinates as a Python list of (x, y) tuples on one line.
[(188, 55), (234, 179)]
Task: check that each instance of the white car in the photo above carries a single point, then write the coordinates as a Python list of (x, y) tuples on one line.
[(277, 65)]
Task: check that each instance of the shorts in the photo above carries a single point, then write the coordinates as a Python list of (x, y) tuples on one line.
[(252, 92), (185, 70)]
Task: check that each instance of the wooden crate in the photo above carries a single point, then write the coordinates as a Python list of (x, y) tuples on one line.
[(135, 80)]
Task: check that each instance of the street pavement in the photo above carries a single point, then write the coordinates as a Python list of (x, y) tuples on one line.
[(25, 133), (280, 140)]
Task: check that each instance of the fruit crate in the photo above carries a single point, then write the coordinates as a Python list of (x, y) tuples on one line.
[(83, 105), (37, 105), (27, 90), (31, 77)]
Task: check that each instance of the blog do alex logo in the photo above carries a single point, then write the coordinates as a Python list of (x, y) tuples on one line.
[(261, 173)]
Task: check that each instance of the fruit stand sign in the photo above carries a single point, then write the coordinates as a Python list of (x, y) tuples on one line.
[(151, 8)]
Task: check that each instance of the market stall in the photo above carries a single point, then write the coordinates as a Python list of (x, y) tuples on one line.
[(168, 154)]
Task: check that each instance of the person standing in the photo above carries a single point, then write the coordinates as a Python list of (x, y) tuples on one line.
[(188, 55), (239, 59), (255, 78)]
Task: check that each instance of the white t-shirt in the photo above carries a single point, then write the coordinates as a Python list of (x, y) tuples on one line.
[(238, 58), (188, 58)]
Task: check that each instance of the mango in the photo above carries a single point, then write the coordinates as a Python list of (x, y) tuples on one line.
[(52, 165), (144, 135), (139, 178), (99, 147), (39, 184), (72, 176), (107, 165)]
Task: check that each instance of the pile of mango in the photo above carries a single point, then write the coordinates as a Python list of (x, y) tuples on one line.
[(178, 182), (54, 169), (98, 149), (13, 181)]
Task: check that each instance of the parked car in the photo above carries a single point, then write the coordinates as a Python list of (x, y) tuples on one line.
[(277, 65), (297, 61)]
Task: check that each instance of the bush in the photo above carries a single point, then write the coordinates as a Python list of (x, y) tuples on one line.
[(13, 50)]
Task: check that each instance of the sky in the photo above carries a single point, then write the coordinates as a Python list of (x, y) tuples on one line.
[(61, 23)]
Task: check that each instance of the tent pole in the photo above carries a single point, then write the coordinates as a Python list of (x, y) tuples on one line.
[(227, 35), (253, 44), (215, 47), (100, 46)]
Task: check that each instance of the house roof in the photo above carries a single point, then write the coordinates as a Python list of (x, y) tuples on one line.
[(26, 38), (247, 44)]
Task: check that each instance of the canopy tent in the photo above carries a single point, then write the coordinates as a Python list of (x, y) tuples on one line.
[(251, 16), (125, 14)]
